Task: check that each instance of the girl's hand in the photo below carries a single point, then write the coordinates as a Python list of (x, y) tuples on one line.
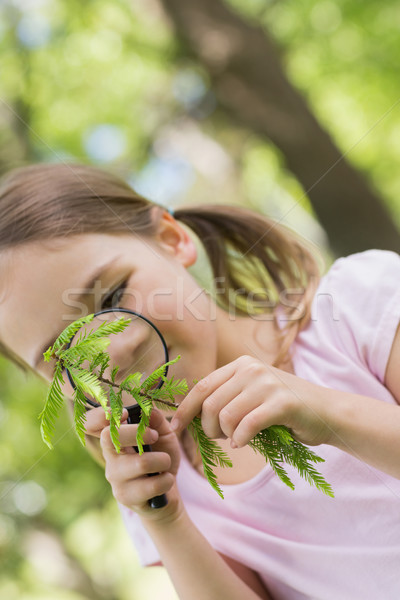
[(245, 396), (127, 471)]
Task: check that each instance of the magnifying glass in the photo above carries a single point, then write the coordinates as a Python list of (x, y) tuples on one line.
[(140, 347)]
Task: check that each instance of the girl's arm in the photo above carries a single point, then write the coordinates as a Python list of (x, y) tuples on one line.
[(366, 428), (196, 569), (369, 429)]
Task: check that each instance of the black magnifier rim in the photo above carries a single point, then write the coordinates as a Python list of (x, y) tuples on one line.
[(131, 312)]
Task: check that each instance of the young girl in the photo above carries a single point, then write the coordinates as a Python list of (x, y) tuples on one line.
[(275, 344)]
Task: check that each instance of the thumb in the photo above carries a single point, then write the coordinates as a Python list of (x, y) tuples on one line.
[(159, 422)]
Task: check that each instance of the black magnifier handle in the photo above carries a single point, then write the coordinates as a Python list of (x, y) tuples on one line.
[(133, 418)]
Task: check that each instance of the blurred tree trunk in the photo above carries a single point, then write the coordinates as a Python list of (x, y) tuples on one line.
[(16, 148), (251, 85)]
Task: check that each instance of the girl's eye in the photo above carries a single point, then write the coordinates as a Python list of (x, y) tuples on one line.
[(113, 299)]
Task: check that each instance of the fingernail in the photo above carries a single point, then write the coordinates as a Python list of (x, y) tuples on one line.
[(175, 424), (234, 444), (152, 434)]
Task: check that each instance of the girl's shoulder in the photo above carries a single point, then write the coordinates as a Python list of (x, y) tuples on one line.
[(355, 265), (359, 301), (362, 284)]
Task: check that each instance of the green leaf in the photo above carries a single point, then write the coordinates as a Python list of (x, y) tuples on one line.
[(115, 417), (101, 360), (211, 454), (114, 373), (65, 337), (109, 327), (132, 380), (145, 413), (157, 375), (80, 404), (102, 331), (52, 407), (277, 444), (90, 385), (172, 387), (48, 355), (87, 349), (169, 390)]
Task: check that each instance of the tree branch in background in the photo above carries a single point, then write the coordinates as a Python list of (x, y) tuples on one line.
[(251, 85)]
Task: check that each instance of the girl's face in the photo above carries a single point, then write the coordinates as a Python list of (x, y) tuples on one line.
[(50, 284)]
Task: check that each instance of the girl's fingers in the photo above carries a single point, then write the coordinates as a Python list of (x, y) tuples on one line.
[(136, 496), (126, 468), (219, 409), (191, 405), (96, 420), (128, 472), (159, 422), (128, 477), (127, 438), (251, 424), (235, 411), (128, 435)]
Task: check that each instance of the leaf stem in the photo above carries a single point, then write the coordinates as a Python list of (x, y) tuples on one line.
[(109, 382)]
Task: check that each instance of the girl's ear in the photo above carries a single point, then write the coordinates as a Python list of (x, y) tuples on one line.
[(173, 238)]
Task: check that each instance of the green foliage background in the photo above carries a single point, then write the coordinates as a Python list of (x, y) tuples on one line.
[(67, 70), (61, 536)]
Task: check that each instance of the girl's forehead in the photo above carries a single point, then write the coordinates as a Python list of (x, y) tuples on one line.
[(80, 250)]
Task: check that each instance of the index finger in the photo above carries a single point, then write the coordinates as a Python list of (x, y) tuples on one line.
[(191, 405)]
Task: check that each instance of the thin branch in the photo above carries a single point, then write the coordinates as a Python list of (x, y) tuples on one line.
[(140, 392), (109, 382)]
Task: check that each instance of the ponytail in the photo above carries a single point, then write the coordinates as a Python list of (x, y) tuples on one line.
[(256, 263)]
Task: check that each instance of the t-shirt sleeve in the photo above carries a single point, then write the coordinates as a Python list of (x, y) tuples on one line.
[(365, 290), (145, 548)]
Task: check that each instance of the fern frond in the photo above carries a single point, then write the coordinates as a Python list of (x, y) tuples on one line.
[(277, 444), (158, 374), (145, 413), (211, 454), (105, 329), (163, 406), (169, 390), (174, 387), (132, 380), (80, 415), (87, 349), (65, 336), (114, 373), (115, 416), (90, 385), (136, 391), (102, 360), (52, 407)]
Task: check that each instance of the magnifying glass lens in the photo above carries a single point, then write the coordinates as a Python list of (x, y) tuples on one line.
[(139, 349)]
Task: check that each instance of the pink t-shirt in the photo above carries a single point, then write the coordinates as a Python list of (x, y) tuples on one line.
[(303, 544)]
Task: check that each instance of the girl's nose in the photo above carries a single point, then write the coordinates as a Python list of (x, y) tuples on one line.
[(137, 349)]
